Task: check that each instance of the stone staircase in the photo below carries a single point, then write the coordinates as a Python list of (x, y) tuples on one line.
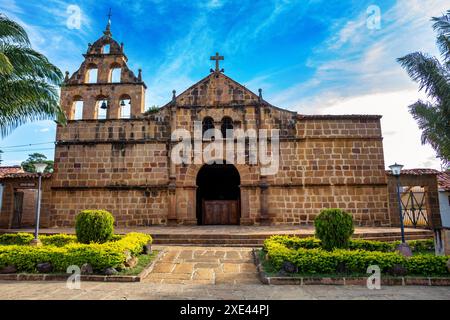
[(240, 236), (257, 240)]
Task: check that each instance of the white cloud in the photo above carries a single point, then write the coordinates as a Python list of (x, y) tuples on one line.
[(401, 135), (363, 76)]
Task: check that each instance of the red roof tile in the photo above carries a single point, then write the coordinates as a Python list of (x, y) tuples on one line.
[(444, 180), (10, 170), (417, 172), (25, 175)]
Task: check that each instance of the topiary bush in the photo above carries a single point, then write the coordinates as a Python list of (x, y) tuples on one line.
[(94, 226), (334, 227)]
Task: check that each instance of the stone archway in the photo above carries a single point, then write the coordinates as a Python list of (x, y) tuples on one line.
[(218, 195)]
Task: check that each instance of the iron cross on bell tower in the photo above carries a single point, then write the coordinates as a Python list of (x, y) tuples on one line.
[(217, 58)]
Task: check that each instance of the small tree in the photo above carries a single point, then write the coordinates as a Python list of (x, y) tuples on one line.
[(94, 226), (334, 228), (28, 165)]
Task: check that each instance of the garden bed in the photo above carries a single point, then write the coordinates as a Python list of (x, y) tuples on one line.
[(123, 258), (291, 260)]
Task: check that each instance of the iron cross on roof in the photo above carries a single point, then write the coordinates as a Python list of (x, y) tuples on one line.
[(217, 58)]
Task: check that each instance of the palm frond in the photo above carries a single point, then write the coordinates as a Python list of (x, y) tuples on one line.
[(443, 43), (12, 32), (429, 74), (27, 100), (442, 24), (29, 63), (5, 65), (435, 127)]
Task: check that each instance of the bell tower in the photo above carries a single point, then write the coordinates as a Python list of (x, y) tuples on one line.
[(103, 87)]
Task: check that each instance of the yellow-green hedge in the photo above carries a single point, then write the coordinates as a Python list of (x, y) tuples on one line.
[(319, 261), (293, 242), (100, 256)]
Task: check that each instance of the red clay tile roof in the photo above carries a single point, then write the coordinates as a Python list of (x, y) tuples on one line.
[(444, 180), (25, 175), (10, 170), (417, 172)]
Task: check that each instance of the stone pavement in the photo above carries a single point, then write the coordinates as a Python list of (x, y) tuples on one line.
[(12, 290), (204, 265)]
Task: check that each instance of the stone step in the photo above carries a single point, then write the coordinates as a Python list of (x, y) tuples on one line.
[(252, 241)]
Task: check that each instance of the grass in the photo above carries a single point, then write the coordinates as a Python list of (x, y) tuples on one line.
[(143, 262)]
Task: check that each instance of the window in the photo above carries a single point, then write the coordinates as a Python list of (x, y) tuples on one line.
[(116, 76), (78, 110), (227, 124), (91, 75), (106, 49), (102, 108), (208, 123), (125, 107)]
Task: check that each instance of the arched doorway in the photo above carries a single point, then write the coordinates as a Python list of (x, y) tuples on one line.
[(218, 195)]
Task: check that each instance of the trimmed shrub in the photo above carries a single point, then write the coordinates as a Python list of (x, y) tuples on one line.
[(421, 245), (100, 256), (20, 238), (94, 226), (319, 261), (293, 242), (334, 227), (370, 245), (58, 240)]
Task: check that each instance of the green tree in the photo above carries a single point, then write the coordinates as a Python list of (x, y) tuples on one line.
[(28, 81), (28, 166), (433, 116)]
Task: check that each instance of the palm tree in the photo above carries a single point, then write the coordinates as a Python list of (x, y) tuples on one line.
[(28, 81), (433, 117)]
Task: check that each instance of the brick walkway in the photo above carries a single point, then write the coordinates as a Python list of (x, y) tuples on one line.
[(12, 290), (204, 265)]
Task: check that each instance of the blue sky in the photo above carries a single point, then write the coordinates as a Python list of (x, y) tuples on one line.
[(310, 56)]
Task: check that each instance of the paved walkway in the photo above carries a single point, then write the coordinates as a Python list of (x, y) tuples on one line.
[(154, 291), (204, 265)]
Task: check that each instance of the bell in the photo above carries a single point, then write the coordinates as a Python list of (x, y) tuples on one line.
[(122, 104), (104, 105)]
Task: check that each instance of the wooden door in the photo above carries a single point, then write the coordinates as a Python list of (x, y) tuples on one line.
[(223, 212), (18, 209)]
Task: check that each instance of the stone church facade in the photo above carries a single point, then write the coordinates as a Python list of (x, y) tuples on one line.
[(118, 156)]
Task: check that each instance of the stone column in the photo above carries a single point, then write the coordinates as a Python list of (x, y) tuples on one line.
[(442, 241), (172, 216), (172, 187), (191, 205), (245, 207), (89, 106), (264, 204)]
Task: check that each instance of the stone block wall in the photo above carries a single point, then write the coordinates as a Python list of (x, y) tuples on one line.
[(130, 207)]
